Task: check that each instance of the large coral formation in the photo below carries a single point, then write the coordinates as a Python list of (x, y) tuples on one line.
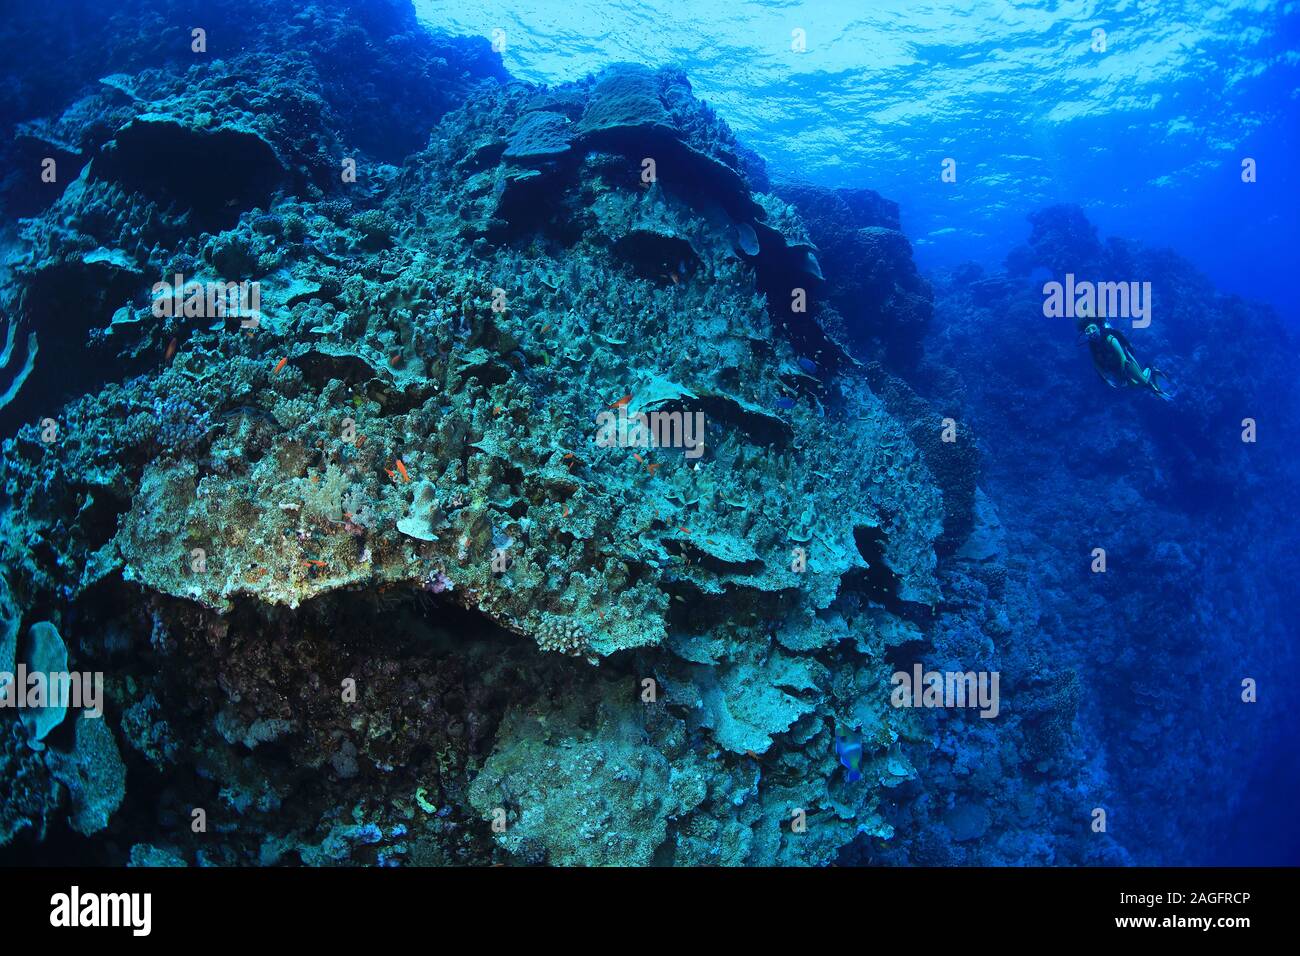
[(459, 335)]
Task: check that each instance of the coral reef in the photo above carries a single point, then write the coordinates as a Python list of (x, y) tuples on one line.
[(408, 433), (878, 304), (363, 582)]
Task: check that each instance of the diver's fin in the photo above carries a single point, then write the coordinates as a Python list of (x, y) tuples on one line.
[(1164, 393)]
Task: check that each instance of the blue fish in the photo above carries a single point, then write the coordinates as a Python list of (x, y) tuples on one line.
[(850, 753)]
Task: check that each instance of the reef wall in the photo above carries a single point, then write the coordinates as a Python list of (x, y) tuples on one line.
[(1183, 497)]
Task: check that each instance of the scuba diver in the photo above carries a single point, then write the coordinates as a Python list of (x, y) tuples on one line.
[(1114, 359)]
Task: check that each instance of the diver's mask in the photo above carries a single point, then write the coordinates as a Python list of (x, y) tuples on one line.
[(1093, 331)]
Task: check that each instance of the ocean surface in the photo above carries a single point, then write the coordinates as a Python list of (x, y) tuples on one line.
[(612, 433), (1147, 136)]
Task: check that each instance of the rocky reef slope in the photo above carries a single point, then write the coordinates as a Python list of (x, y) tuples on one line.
[(1190, 501)]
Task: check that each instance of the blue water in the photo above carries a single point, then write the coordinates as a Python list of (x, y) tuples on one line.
[(1147, 137)]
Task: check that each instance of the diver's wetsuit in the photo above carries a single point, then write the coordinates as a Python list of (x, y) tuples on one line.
[(1113, 357), (1111, 353)]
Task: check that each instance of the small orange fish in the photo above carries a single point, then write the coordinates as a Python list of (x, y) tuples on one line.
[(402, 469), (638, 457), (622, 402), (361, 440), (683, 529), (314, 563), (171, 351), (391, 474), (566, 511), (280, 364), (651, 466), (498, 409), (568, 456), (545, 327)]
